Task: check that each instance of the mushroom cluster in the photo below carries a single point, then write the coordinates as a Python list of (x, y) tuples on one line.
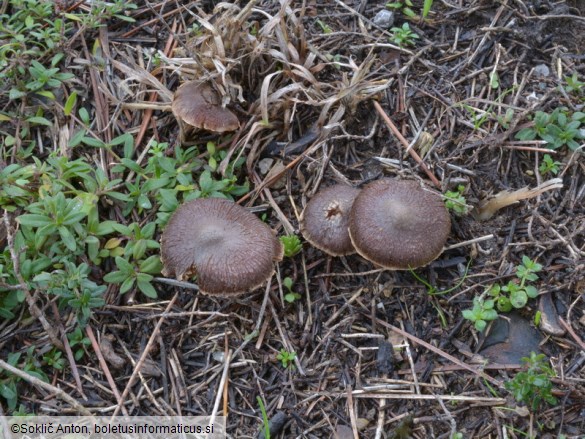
[(395, 224), (229, 249)]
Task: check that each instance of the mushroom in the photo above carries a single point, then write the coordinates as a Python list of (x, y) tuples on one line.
[(398, 225), (229, 249), (325, 219), (199, 105)]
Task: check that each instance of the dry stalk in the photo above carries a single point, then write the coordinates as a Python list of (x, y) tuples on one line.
[(488, 208)]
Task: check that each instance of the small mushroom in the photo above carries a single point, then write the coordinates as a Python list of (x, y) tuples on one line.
[(325, 219), (229, 249), (197, 104), (398, 225)]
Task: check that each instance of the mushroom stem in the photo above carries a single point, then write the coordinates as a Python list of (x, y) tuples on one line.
[(487, 208)]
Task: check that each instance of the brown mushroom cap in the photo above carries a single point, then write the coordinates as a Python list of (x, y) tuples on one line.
[(398, 225), (325, 219), (199, 105), (229, 249)]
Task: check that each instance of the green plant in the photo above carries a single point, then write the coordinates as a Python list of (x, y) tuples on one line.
[(291, 296), (455, 201), (44, 78), (102, 11), (74, 288), (54, 359), (548, 165), (403, 36), (265, 422), (324, 27), (286, 358), (574, 85), (405, 6), (505, 120), (558, 128), (427, 5), (129, 275), (514, 294), (78, 341), (533, 386), (519, 293), (292, 245), (9, 382), (482, 312)]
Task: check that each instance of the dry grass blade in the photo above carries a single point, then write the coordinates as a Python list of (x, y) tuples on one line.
[(139, 74)]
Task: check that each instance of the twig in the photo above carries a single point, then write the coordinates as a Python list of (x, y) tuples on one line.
[(222, 383), (430, 397), (471, 241), (400, 137), (104, 366), (49, 387), (352, 416), (68, 351), (572, 332)]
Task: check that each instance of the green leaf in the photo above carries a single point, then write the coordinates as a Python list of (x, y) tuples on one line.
[(531, 291), (427, 8), (76, 139), (518, 299), (144, 202), (33, 220), (46, 93), (489, 314), (480, 325), (206, 182), (151, 265), (68, 238), (70, 103), (127, 285), (84, 115), (409, 12), (468, 314), (147, 289), (526, 134), (132, 165), (93, 247), (115, 277), (39, 121), (504, 304), (494, 80), (124, 265), (90, 141), (139, 249), (122, 139), (73, 217), (105, 228), (16, 94)]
